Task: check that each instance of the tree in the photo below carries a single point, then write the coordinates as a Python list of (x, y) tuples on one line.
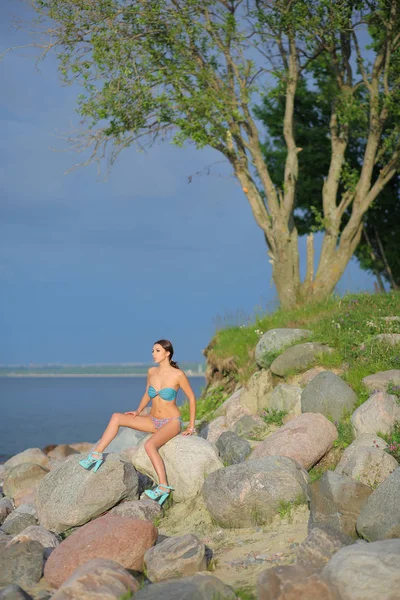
[(190, 70), (377, 251)]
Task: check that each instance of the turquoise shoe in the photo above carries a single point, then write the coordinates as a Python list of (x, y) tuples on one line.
[(87, 463), (158, 494)]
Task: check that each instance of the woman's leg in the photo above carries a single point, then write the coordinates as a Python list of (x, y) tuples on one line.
[(158, 439), (121, 420)]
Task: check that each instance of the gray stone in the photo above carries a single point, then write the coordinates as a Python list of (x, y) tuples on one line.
[(378, 414), (47, 539), (125, 438), (379, 519), (71, 495), (221, 410), (145, 509), (319, 547), (14, 592), (211, 431), (6, 508), (17, 522), (23, 477), (252, 492), (379, 381), (255, 394), (21, 563), (390, 339), (198, 587), (329, 395), (29, 456), (199, 456), (175, 557), (293, 582), (232, 448), (249, 426), (276, 340), (285, 397), (366, 571), (298, 357), (367, 464), (336, 502), (26, 508), (305, 439), (98, 579)]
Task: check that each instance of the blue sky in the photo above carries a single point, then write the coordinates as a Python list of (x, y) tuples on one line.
[(95, 270)]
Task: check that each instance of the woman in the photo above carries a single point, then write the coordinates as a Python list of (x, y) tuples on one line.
[(164, 420)]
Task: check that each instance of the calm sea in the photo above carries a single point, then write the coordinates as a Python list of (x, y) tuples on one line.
[(37, 411)]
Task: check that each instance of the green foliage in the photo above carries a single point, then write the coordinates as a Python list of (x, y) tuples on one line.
[(393, 440), (273, 416), (126, 596), (285, 509), (394, 390), (343, 323), (316, 472), (204, 406), (244, 594), (345, 434)]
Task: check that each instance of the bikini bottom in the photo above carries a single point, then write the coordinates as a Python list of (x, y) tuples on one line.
[(158, 423)]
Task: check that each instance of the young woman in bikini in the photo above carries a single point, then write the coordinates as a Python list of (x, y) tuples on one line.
[(164, 420)]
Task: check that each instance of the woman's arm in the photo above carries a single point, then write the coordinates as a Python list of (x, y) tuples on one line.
[(144, 401), (186, 388)]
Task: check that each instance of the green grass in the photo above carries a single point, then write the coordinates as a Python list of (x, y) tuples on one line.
[(207, 404), (244, 594), (316, 472), (343, 323), (394, 390), (285, 509), (273, 416), (346, 434), (393, 440)]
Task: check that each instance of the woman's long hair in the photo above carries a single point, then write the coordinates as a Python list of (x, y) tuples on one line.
[(168, 347)]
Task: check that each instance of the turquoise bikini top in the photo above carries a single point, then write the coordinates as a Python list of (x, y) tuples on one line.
[(166, 393)]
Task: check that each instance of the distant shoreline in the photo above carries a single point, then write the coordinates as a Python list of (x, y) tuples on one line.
[(20, 375)]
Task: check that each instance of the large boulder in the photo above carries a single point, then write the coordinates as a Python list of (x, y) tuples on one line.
[(70, 495), (252, 492), (197, 587), (250, 426), (336, 502), (319, 547), (287, 398), (144, 509), (199, 456), (175, 557), (47, 539), (255, 394), (23, 477), (30, 456), (378, 414), (14, 592), (61, 452), (220, 411), (213, 430), (306, 439), (234, 410), (276, 340), (293, 582), (298, 357), (98, 578), (379, 381), (232, 448), (379, 519), (366, 571), (328, 395), (366, 460), (122, 539), (6, 508), (125, 438), (17, 522), (20, 563)]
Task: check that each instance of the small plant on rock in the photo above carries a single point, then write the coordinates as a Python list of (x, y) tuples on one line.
[(273, 416), (393, 440), (345, 434), (394, 390)]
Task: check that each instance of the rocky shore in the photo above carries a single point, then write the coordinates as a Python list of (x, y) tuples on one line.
[(248, 518)]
